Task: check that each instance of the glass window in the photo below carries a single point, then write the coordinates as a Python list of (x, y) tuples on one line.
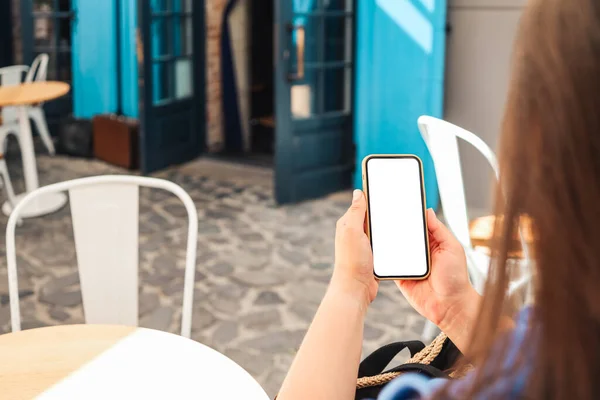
[(337, 31), (305, 6), (311, 49), (43, 5), (43, 31), (183, 36), (64, 5), (336, 90), (304, 95), (160, 37), (184, 86), (338, 5), (161, 82), (182, 5), (161, 5)]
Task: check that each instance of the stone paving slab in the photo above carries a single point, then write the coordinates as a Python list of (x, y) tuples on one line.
[(261, 269)]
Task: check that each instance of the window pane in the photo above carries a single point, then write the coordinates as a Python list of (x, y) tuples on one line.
[(63, 66), (182, 5), (64, 5), (184, 86), (160, 37), (183, 36), (337, 89), (337, 32), (161, 82), (338, 5), (304, 6), (43, 31), (64, 33), (304, 95), (161, 5), (59, 65), (43, 6), (311, 49)]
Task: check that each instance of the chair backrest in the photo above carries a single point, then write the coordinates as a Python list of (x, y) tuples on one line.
[(105, 225), (440, 137), (11, 76), (39, 69)]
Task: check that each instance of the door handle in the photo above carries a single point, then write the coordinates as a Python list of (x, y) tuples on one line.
[(300, 45)]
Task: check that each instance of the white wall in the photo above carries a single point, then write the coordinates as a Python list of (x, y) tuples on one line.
[(478, 62)]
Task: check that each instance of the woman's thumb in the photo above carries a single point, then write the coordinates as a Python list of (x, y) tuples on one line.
[(356, 212), (437, 230)]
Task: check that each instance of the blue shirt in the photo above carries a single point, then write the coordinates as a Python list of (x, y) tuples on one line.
[(417, 387)]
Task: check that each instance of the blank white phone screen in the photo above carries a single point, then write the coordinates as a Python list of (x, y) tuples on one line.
[(397, 217)]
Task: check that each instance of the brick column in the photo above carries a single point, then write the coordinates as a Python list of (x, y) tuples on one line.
[(17, 41), (214, 111)]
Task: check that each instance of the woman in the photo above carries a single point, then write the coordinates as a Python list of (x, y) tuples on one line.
[(550, 171)]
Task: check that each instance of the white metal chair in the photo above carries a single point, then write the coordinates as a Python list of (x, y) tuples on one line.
[(440, 137), (39, 69), (38, 73), (9, 76), (104, 210)]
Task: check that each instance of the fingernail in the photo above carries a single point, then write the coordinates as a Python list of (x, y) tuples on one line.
[(356, 195), (432, 213)]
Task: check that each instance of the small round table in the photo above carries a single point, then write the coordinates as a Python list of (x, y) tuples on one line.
[(117, 362), (21, 96)]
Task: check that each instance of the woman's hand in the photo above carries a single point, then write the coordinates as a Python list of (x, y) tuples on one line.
[(326, 363), (447, 294), (353, 255)]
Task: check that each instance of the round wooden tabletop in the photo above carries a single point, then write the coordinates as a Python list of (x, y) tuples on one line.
[(32, 93), (481, 232), (116, 362)]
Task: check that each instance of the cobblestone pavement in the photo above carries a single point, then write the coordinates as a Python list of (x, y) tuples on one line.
[(261, 271)]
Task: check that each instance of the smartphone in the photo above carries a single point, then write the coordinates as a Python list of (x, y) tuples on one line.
[(396, 219)]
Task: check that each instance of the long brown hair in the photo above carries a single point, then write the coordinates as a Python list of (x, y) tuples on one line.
[(550, 171)]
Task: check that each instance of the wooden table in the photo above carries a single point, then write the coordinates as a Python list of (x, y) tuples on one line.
[(481, 232), (116, 362), (21, 96)]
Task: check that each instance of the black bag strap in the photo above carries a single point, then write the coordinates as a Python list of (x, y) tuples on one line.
[(424, 369), (375, 363)]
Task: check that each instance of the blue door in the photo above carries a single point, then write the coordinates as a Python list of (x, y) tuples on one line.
[(171, 81), (314, 152), (6, 45)]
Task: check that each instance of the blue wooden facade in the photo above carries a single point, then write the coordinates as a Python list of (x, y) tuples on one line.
[(399, 71), (400, 52), (104, 76)]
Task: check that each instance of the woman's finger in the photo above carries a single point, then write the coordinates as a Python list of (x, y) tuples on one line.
[(355, 216), (439, 233)]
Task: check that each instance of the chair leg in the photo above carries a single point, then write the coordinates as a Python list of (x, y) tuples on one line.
[(39, 119), (7, 183), (4, 132)]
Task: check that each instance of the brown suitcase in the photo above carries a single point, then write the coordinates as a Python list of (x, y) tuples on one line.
[(116, 140)]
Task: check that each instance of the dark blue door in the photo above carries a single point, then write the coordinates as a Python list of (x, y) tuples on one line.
[(6, 45), (172, 81), (314, 152)]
